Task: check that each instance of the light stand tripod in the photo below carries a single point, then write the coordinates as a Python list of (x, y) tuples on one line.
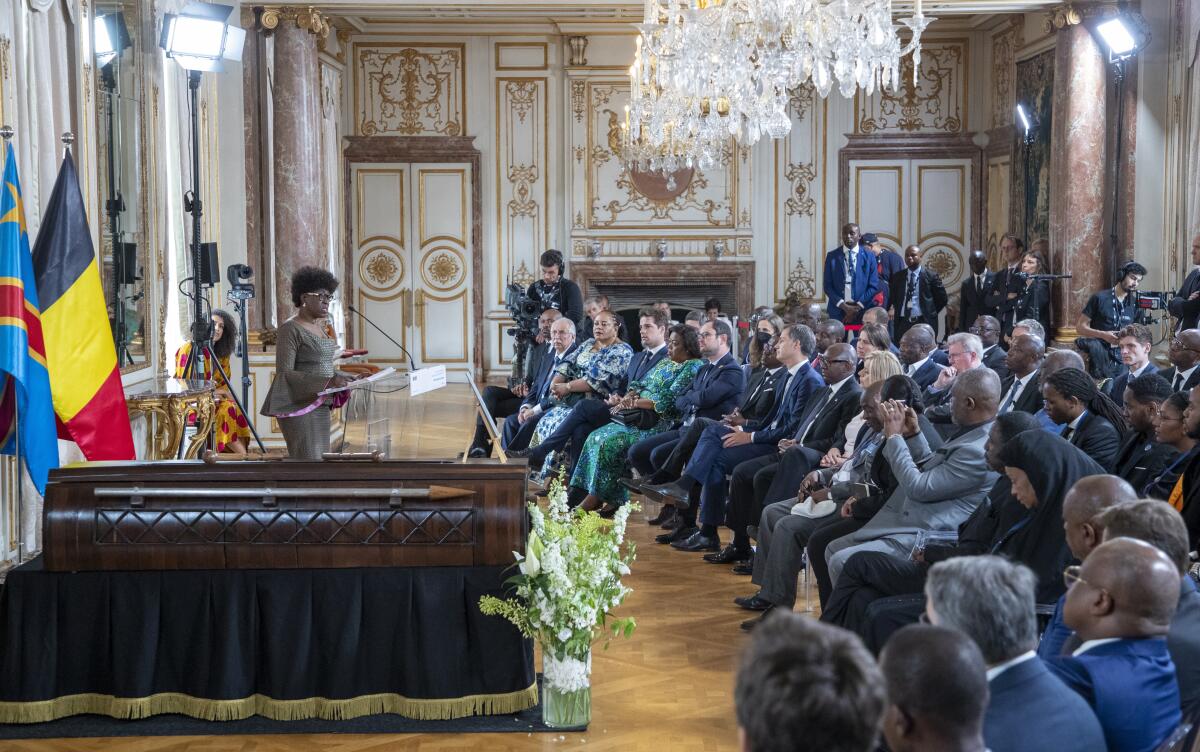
[(113, 208)]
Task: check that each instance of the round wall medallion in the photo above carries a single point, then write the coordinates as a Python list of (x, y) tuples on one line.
[(946, 263), (380, 268), (443, 268), (658, 187)]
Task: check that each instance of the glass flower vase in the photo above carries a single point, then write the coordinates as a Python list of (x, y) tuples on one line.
[(566, 690)]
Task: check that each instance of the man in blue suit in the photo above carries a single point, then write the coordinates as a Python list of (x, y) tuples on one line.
[(722, 447), (851, 277), (1120, 603), (591, 414), (991, 600)]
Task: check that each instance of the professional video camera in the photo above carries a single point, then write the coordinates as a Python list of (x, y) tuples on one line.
[(239, 290), (1154, 300), (524, 331)]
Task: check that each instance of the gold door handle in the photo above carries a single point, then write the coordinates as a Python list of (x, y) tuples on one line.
[(421, 308)]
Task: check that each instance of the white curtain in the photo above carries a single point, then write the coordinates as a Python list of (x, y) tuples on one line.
[(1192, 123)]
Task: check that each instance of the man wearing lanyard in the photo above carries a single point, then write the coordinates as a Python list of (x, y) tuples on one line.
[(1106, 313)]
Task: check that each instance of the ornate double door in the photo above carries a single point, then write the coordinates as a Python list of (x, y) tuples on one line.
[(412, 261)]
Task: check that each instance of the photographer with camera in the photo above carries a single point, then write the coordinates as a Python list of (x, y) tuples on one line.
[(1107, 313), (554, 290)]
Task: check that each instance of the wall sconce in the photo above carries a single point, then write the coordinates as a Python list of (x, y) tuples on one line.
[(719, 248), (660, 249), (594, 248)]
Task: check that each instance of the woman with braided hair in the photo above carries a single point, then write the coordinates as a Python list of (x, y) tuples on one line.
[(1090, 420)]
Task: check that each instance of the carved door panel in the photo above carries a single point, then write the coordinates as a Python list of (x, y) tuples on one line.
[(412, 240), (923, 201)]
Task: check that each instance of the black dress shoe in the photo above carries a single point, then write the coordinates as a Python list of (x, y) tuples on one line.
[(750, 624), (678, 534), (668, 493), (728, 555), (663, 515), (745, 568), (754, 602), (633, 484), (698, 541)]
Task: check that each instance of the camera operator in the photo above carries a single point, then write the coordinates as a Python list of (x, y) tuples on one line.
[(502, 402), (1106, 313), (556, 291)]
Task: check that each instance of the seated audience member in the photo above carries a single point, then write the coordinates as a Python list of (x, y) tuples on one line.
[(590, 414), (965, 352), (765, 329), (1185, 496), (665, 307), (1120, 602), (592, 305), (809, 314), (774, 477), (876, 315), (597, 369), (502, 402), (752, 329), (1172, 429), (1161, 526), (1081, 507), (1135, 342), (987, 328), (877, 368), (827, 332), (936, 490), (1021, 519), (1141, 458), (872, 338), (518, 429), (1055, 360), (991, 600), (1184, 354), (1090, 420), (722, 447), (695, 319), (1028, 326), (915, 347), (712, 309), (602, 460), (937, 691), (1021, 389), (805, 687)]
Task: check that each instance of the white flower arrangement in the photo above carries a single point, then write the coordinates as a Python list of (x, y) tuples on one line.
[(568, 586)]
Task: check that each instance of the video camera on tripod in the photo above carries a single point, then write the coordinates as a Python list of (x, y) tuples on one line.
[(238, 288), (524, 331), (1154, 300)]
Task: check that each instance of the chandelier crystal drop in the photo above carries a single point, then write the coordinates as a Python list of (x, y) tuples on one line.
[(706, 71)]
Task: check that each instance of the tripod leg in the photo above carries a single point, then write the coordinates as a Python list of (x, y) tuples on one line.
[(233, 395)]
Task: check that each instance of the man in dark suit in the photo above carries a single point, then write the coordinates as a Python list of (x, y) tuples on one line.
[(917, 294), (1120, 603), (972, 292), (1140, 458), (992, 601), (1135, 342), (1186, 305), (590, 414), (988, 329), (502, 402), (851, 277), (916, 350), (1162, 527), (1006, 286), (518, 428), (827, 332), (1021, 389), (773, 477), (721, 447), (1184, 354)]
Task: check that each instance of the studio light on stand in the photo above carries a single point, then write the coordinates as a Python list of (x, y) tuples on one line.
[(111, 38), (1124, 36), (1029, 123), (200, 40)]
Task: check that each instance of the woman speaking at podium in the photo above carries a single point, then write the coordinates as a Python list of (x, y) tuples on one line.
[(304, 355)]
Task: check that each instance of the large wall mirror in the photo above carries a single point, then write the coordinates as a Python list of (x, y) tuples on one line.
[(117, 43)]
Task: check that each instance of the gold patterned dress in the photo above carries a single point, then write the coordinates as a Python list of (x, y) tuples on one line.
[(229, 425)]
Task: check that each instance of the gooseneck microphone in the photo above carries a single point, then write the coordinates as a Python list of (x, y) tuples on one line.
[(411, 363)]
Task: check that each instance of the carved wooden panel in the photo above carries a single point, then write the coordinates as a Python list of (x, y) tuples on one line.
[(1005, 44), (522, 179), (409, 89), (801, 203), (935, 102)]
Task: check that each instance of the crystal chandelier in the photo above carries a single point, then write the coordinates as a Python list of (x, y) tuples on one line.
[(708, 70)]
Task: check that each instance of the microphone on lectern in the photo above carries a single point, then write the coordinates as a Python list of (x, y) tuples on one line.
[(411, 363)]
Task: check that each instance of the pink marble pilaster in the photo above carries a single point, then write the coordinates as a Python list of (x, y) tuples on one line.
[(299, 209), (1078, 231)]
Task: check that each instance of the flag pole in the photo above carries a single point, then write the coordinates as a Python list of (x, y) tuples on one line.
[(6, 132)]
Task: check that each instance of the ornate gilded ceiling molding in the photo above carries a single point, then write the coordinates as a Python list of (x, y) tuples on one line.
[(310, 19), (1073, 14)]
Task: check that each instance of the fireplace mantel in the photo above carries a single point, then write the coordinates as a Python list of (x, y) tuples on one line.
[(659, 277)]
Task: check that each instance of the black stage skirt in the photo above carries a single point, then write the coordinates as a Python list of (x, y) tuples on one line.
[(285, 644)]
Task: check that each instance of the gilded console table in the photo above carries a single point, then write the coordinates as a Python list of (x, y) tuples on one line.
[(166, 404)]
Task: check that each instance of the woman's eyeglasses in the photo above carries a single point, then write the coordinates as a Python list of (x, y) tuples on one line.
[(324, 297)]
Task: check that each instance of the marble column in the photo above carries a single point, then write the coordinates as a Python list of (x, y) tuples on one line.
[(298, 201), (1078, 232), (260, 313)]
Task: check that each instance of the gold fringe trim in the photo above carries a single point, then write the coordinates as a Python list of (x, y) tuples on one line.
[(278, 710)]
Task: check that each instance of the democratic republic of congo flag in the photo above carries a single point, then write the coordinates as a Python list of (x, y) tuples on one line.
[(84, 377), (26, 414)]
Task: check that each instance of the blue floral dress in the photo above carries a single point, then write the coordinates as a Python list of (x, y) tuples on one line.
[(602, 368), (603, 459)]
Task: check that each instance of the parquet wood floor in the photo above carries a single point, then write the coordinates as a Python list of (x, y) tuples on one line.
[(669, 687)]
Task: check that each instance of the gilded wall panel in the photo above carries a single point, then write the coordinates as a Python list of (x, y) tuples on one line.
[(410, 89), (1005, 44), (935, 102), (522, 183), (799, 202)]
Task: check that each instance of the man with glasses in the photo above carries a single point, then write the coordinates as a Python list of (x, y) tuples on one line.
[(965, 353), (1120, 602), (987, 328), (1184, 354), (1106, 313)]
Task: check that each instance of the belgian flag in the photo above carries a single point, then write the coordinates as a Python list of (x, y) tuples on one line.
[(84, 377)]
